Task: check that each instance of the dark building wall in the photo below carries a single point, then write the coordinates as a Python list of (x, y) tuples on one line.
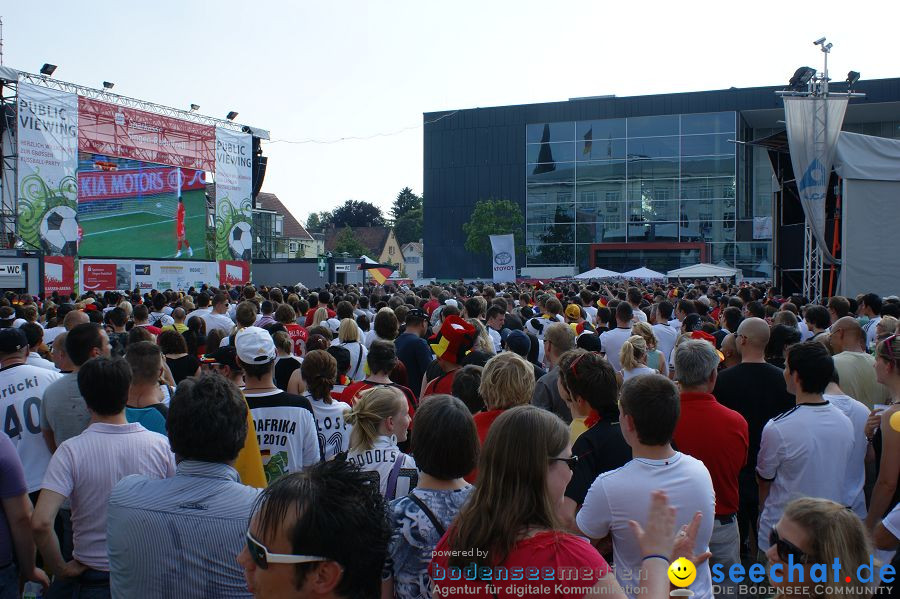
[(479, 153)]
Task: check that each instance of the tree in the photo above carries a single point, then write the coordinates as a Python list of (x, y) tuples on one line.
[(405, 203), (409, 226), (354, 213), (347, 242), (493, 217)]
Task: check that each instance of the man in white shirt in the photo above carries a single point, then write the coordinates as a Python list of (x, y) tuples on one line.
[(218, 318), (666, 334), (858, 414), (34, 333), (537, 326), (203, 307), (649, 408), (870, 306), (611, 342), (806, 451), (634, 300)]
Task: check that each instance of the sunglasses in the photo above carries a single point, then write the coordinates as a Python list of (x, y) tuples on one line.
[(262, 558), (570, 462), (786, 549)]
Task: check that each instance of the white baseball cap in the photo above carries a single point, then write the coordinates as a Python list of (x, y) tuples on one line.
[(254, 346)]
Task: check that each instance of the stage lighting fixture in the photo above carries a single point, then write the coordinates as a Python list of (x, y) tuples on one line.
[(852, 78), (48, 69), (195, 107), (108, 85), (231, 115), (801, 77)]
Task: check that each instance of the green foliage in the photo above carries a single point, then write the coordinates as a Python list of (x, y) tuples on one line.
[(408, 227), (406, 202), (347, 242), (354, 213), (493, 217)]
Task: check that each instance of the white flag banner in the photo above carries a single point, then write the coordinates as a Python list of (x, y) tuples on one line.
[(813, 126), (234, 185), (503, 248)]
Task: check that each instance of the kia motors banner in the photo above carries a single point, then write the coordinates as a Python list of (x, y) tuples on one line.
[(59, 274), (128, 133), (503, 258), (813, 125), (47, 161), (126, 183), (234, 185)]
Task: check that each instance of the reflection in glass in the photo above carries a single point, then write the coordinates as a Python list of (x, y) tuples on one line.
[(543, 132), (709, 122), (705, 145), (707, 166), (604, 129), (607, 170), (550, 152), (652, 126), (653, 147), (660, 168), (600, 149)]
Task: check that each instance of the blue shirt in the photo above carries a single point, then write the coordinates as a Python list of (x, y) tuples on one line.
[(415, 354), (179, 537), (152, 418)]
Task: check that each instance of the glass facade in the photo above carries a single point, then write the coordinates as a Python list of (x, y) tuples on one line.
[(669, 183)]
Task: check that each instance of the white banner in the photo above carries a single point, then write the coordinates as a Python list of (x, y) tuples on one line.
[(111, 275), (813, 125), (234, 186), (47, 143), (503, 258)]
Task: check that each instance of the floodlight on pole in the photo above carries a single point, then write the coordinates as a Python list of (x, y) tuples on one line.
[(48, 69), (195, 107), (108, 85), (852, 78), (231, 115), (802, 77)]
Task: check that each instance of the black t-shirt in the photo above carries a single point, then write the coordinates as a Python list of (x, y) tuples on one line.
[(415, 354), (600, 449), (758, 393), (284, 368), (183, 367)]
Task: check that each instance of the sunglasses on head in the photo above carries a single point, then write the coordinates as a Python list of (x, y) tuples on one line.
[(786, 549), (571, 462), (262, 558)]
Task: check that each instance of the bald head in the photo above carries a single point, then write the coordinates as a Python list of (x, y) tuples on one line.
[(730, 351), (846, 334), (75, 318), (754, 332)]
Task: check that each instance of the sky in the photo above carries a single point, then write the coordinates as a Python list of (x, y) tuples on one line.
[(317, 75)]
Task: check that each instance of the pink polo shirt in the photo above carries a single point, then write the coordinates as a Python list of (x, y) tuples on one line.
[(86, 468)]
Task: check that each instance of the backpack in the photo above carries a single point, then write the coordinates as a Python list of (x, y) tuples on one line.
[(157, 322)]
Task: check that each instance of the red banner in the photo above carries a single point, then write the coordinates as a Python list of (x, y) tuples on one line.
[(128, 133), (105, 185), (234, 272), (98, 277), (59, 274)]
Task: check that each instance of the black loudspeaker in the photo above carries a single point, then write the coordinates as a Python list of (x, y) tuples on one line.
[(258, 168)]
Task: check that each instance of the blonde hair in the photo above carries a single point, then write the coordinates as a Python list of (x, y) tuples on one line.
[(373, 407), (632, 351), (319, 316), (348, 331), (646, 331), (483, 341), (507, 381), (888, 324), (283, 342), (126, 305), (834, 532)]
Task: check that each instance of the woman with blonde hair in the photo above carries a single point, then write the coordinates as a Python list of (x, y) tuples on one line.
[(884, 437), (655, 358), (483, 342), (320, 316), (633, 357), (348, 337), (818, 532), (380, 419), (507, 381)]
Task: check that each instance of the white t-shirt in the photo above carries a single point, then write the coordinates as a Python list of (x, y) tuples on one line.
[(871, 329), (332, 430), (805, 333), (198, 312), (21, 392), (495, 337), (592, 314), (623, 494), (638, 316), (217, 321), (858, 413), (804, 453), (52, 333), (380, 459), (675, 324), (538, 325), (160, 319), (285, 430), (34, 359), (666, 336), (358, 354), (627, 375), (611, 342)]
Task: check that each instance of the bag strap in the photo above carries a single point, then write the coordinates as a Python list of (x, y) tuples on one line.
[(391, 490), (434, 519)]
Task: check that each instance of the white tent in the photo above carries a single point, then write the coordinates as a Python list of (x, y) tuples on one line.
[(643, 273), (598, 273), (703, 271)]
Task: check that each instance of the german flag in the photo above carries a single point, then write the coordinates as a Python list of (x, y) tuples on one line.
[(379, 272)]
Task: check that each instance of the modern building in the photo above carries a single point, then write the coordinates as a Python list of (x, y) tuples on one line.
[(662, 181)]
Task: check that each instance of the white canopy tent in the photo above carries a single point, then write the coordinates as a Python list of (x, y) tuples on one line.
[(598, 273), (704, 271), (643, 273)]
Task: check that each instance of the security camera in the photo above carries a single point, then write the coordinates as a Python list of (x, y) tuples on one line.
[(819, 41)]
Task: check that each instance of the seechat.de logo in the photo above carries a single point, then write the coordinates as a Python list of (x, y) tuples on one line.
[(503, 258)]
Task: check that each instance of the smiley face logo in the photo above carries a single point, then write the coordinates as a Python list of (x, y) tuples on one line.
[(682, 572)]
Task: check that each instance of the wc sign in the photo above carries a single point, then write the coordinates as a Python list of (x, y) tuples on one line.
[(12, 276)]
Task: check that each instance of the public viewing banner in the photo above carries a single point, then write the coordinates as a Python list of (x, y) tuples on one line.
[(59, 274), (47, 146), (178, 275), (133, 209), (234, 185), (129, 133), (503, 258), (813, 125)]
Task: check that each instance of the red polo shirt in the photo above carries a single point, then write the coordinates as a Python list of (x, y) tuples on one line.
[(718, 437)]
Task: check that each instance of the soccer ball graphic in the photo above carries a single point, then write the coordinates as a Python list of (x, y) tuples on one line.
[(240, 241), (59, 231)]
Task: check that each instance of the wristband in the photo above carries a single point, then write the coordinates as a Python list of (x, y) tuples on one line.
[(656, 555)]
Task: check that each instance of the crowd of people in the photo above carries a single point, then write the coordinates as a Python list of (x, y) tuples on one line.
[(561, 439)]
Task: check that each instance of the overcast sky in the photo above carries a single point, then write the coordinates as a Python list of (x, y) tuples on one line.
[(329, 70)]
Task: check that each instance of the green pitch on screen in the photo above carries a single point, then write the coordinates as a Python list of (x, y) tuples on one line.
[(146, 230)]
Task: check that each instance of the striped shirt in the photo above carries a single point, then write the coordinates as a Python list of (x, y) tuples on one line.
[(179, 537)]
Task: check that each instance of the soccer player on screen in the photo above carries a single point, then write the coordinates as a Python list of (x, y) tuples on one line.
[(179, 223)]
